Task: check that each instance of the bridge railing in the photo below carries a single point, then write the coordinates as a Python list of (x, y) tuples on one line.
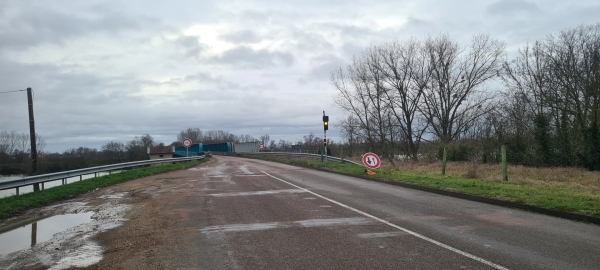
[(43, 178), (300, 155)]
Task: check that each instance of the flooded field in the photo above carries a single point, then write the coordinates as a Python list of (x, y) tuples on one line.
[(28, 189)]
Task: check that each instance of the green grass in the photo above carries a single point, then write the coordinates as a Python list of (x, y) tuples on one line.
[(15, 204), (557, 198)]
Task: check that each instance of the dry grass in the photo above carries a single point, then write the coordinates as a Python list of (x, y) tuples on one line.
[(571, 178)]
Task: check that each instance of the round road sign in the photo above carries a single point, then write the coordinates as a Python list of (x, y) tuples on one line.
[(186, 143), (371, 160)]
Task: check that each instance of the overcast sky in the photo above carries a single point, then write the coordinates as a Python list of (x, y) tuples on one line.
[(110, 70)]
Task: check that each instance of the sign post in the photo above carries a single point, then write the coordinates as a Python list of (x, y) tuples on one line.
[(187, 142), (371, 160)]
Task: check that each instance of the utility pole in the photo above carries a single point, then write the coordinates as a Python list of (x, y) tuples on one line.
[(36, 187)]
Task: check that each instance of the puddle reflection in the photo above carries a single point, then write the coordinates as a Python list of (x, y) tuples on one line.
[(42, 230)]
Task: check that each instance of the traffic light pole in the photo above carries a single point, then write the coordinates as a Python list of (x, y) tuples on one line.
[(325, 127)]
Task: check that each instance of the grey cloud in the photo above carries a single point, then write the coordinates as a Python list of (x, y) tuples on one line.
[(307, 40), (327, 65), (209, 80), (243, 36), (191, 46), (512, 8), (41, 25), (246, 57)]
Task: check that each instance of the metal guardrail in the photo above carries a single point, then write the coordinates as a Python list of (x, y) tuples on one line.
[(304, 155), (43, 178)]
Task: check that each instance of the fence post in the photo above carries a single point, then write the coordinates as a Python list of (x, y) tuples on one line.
[(504, 169), (444, 162)]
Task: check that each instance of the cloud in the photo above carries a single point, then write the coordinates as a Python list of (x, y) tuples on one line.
[(243, 36), (512, 8), (191, 46), (246, 57), (323, 66), (37, 25)]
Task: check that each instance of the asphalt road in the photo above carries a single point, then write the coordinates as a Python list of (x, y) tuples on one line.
[(253, 214)]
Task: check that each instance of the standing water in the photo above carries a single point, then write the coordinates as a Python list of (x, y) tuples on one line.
[(39, 231), (29, 188)]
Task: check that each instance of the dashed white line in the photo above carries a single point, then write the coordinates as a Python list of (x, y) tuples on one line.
[(418, 235), (262, 192)]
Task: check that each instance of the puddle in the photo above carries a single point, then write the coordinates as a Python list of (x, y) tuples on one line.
[(119, 195), (29, 235)]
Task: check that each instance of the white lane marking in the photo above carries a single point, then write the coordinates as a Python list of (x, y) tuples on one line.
[(263, 192), (245, 170), (418, 235), (381, 235), (309, 223)]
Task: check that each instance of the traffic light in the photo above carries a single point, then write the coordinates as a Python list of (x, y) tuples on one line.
[(324, 142), (325, 122)]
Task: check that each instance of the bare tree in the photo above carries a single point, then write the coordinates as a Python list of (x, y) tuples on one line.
[(361, 92), (264, 139), (194, 134), (455, 97), (405, 76), (114, 152)]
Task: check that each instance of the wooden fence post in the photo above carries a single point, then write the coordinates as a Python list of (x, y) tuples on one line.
[(504, 169), (444, 162)]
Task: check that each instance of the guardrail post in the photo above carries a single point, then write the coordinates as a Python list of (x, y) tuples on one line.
[(17, 191), (80, 177), (42, 185)]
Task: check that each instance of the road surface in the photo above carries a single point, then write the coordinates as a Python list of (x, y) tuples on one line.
[(236, 213)]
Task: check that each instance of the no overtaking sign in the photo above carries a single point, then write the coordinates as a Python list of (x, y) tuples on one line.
[(371, 160)]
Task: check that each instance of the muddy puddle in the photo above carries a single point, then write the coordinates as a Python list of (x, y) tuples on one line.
[(38, 231), (60, 236)]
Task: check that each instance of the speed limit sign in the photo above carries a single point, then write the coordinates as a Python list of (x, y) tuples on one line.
[(187, 142)]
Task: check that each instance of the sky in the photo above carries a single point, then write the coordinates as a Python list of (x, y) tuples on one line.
[(106, 71)]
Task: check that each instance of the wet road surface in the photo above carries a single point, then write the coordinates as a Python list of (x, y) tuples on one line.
[(236, 213)]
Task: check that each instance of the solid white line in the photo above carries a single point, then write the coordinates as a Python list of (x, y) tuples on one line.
[(423, 237)]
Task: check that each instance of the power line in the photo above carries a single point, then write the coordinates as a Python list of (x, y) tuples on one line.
[(6, 92)]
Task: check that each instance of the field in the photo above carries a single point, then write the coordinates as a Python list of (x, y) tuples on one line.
[(570, 178)]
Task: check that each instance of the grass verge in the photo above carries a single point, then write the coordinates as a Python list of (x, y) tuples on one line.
[(15, 204), (584, 202)]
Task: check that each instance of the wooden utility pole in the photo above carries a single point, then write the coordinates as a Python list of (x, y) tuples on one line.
[(36, 187)]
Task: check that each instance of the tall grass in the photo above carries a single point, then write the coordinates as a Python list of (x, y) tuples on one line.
[(570, 178)]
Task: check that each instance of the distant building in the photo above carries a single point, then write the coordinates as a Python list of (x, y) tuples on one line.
[(159, 152)]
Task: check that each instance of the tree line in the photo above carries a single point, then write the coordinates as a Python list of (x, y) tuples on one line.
[(409, 97), (15, 154), (15, 150)]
